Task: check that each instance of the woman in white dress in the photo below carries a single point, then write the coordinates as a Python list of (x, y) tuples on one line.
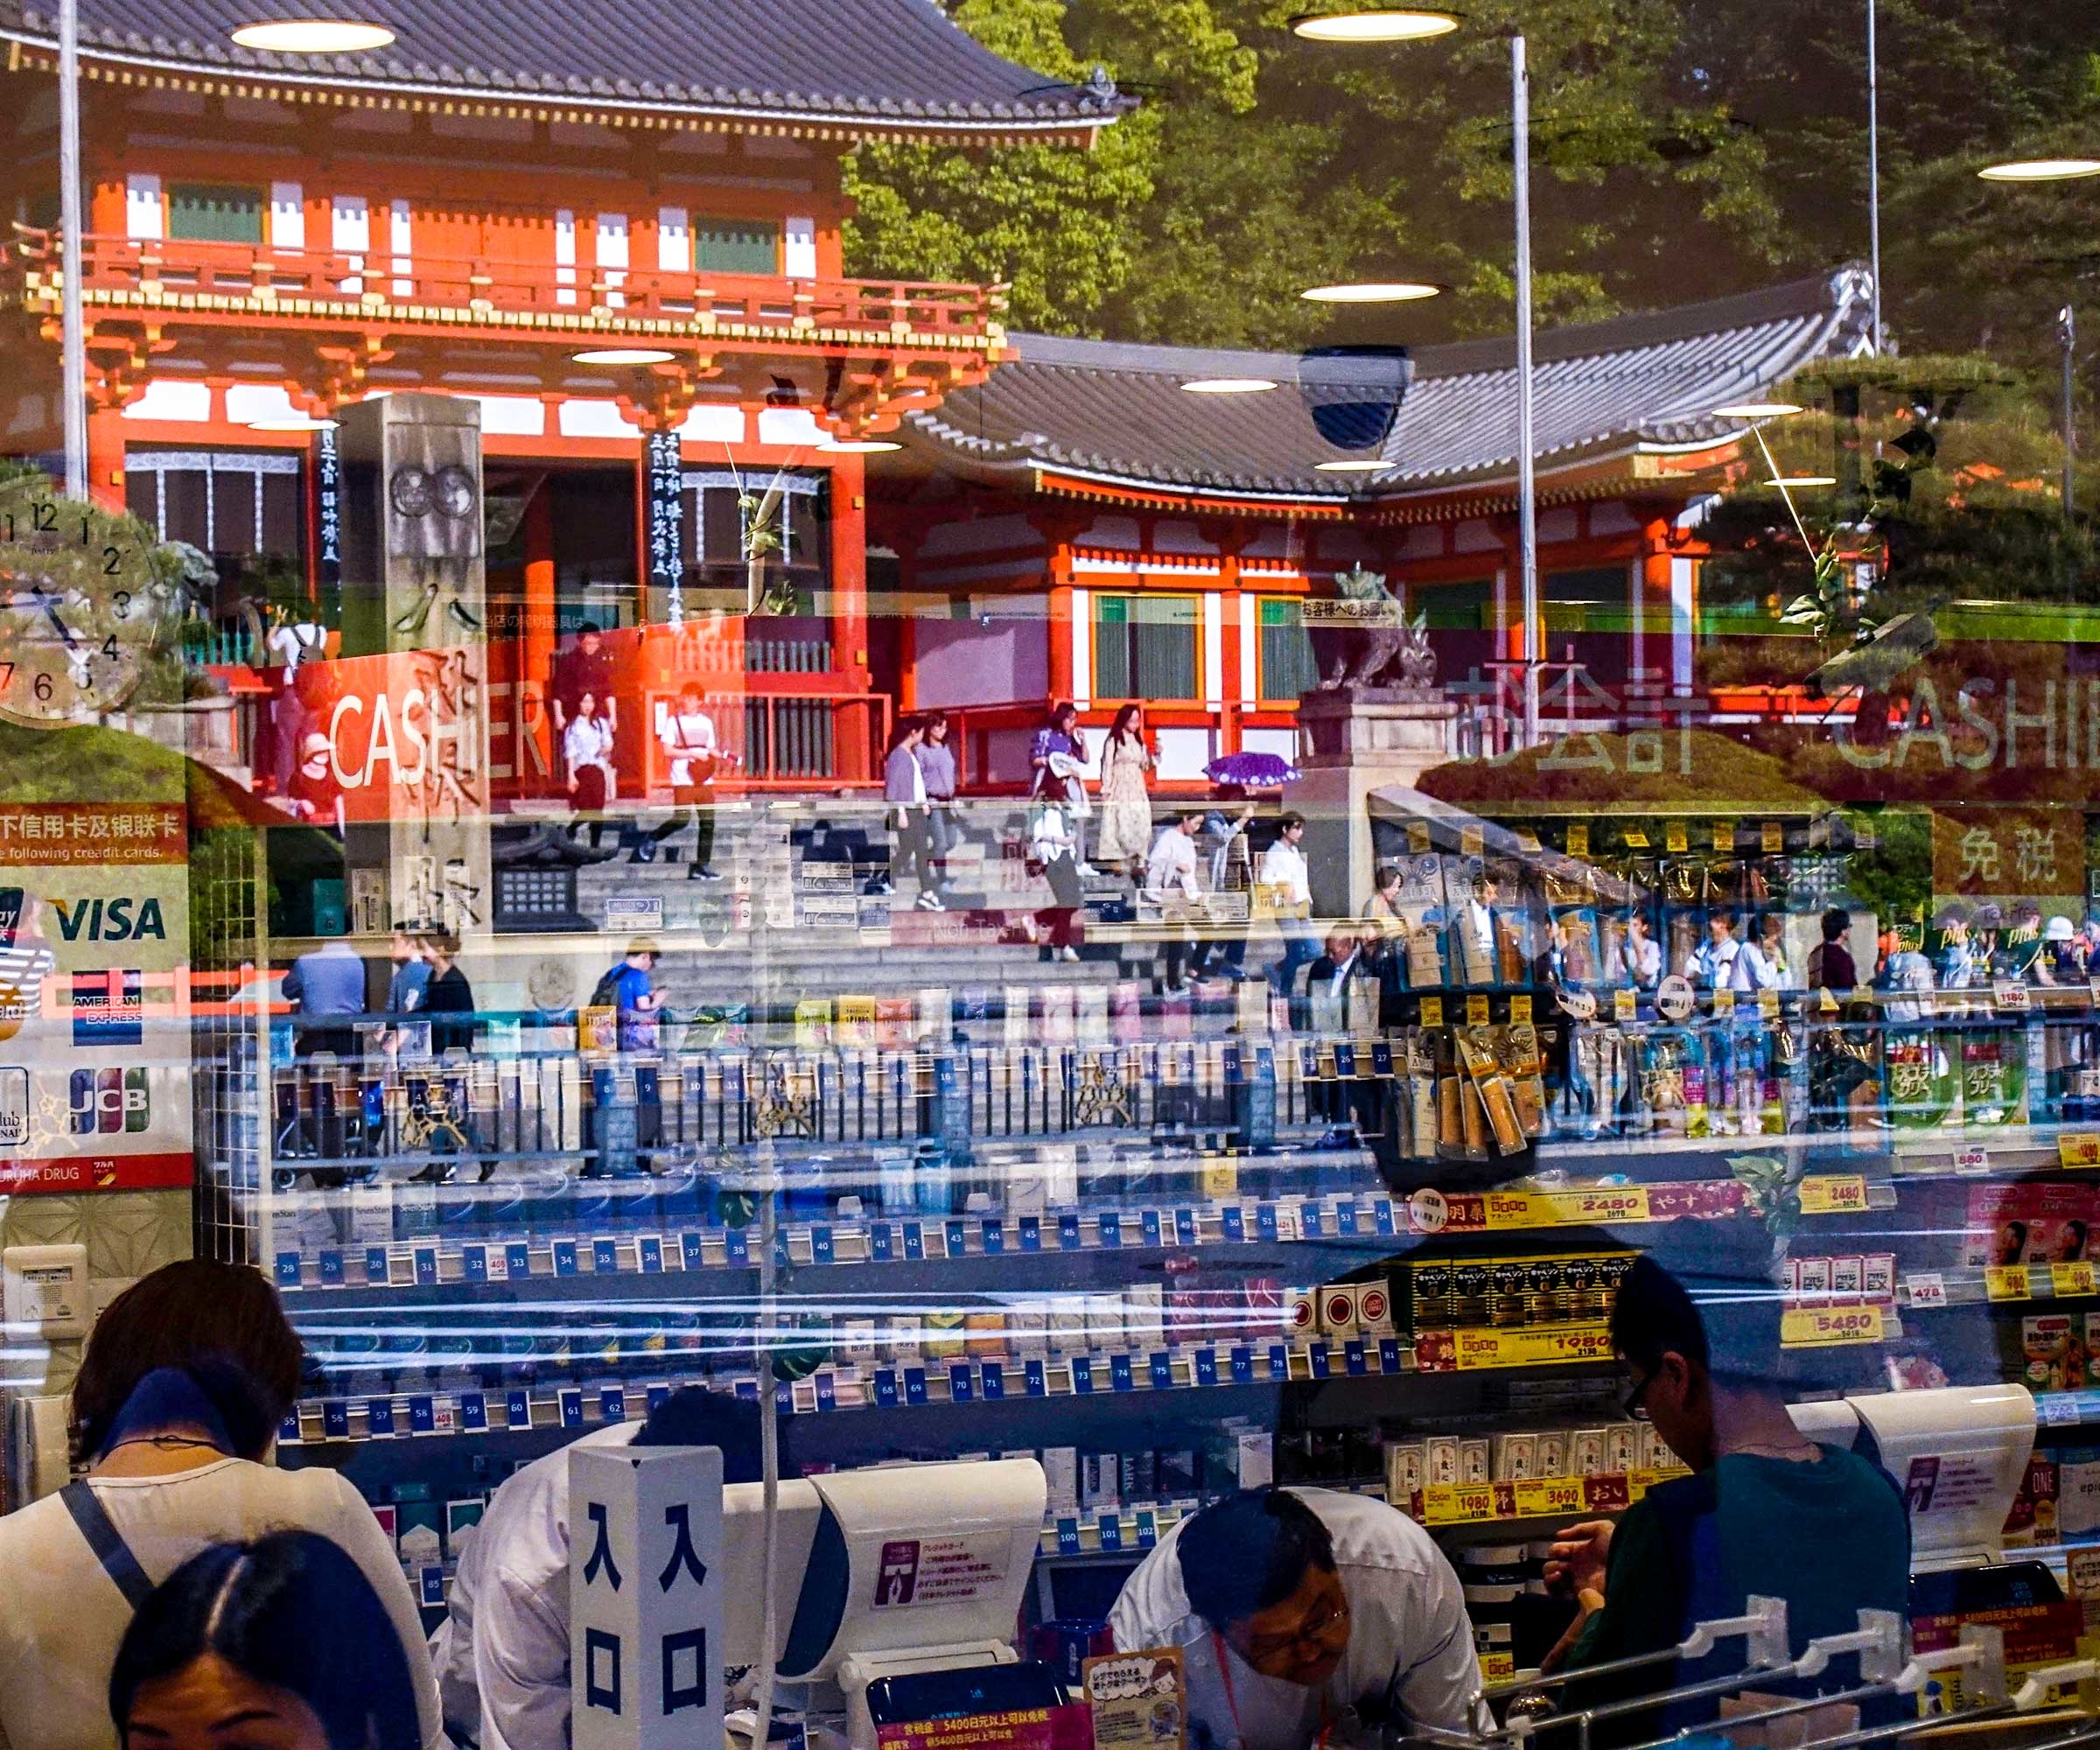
[(1124, 839)]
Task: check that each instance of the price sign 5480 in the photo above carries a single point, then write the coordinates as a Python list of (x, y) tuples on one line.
[(1805, 1327)]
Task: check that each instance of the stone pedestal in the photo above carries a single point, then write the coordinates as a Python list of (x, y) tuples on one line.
[(1360, 738)]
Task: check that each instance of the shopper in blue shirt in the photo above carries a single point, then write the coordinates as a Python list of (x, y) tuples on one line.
[(630, 987), (1766, 1511), (327, 985)]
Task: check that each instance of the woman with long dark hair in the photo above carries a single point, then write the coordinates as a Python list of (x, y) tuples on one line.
[(186, 1380), (1125, 838), (284, 1634)]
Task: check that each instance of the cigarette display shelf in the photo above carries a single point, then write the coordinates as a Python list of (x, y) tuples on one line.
[(1373, 1223), (1123, 1375)]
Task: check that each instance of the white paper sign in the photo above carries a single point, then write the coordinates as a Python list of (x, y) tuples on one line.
[(645, 1597)]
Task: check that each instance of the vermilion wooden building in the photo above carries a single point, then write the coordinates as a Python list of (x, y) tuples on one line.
[(1078, 526), (508, 184)]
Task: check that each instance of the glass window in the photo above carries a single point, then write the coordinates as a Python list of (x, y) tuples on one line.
[(1287, 668), (210, 213), (750, 245), (1145, 648)]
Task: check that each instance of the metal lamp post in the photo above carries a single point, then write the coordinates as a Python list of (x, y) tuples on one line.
[(1527, 505), (73, 341)]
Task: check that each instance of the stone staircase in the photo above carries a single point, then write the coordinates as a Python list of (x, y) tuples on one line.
[(792, 919)]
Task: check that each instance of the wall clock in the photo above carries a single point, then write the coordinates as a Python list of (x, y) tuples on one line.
[(80, 608)]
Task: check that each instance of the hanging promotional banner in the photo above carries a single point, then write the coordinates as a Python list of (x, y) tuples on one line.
[(95, 1032)]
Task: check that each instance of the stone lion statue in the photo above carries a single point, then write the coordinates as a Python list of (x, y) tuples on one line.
[(1376, 653)]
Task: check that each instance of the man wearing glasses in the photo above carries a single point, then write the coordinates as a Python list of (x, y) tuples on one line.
[(1766, 1510), (1308, 1619)]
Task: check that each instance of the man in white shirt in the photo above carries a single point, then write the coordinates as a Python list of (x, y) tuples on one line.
[(1283, 870), (1169, 875), (501, 1653), (690, 746), (1306, 1616), (1713, 963), (1479, 964)]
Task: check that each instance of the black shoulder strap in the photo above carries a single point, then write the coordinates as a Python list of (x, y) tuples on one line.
[(107, 1542)]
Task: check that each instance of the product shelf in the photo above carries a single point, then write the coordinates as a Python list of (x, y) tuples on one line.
[(392, 1413), (1334, 1220)]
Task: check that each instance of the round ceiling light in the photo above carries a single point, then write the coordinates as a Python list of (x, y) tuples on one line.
[(1375, 25), (1227, 385), (856, 446), (292, 422), (624, 355), (1784, 481), (1365, 464), (1757, 409), (2040, 169), (313, 36), (1372, 291)]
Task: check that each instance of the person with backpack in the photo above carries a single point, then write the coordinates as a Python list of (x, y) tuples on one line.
[(629, 989)]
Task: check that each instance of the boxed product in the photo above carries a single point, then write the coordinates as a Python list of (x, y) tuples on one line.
[(1178, 1475), (1476, 1461), (1515, 1458), (1098, 1478), (1553, 1453), (1586, 1453), (2078, 1493), (1847, 1279), (1068, 1330), (1338, 1309), (2031, 1223), (1104, 1321), (1144, 1315), (1373, 1309), (1404, 1470), (2052, 1353), (1061, 1475), (943, 1335), (1440, 1460), (1813, 1280), (1027, 1325), (1301, 1317), (902, 1337), (1255, 1455), (1655, 1451), (984, 1334), (857, 1342), (1878, 1278), (1622, 1447), (1138, 1475)]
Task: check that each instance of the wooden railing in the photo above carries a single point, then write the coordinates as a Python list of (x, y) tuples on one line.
[(189, 274)]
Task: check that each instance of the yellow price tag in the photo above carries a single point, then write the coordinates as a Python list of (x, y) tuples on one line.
[(1724, 1002), (2066, 1279), (1578, 838), (1676, 837), (1724, 838), (1767, 1005), (1826, 1327), (1480, 1350), (1454, 1503), (1830, 1193), (1432, 1011), (1626, 1006), (1543, 1497), (1520, 1009), (2008, 1282), (1638, 1482), (1498, 1668), (1773, 838), (1476, 1011), (2078, 1150), (1507, 1210), (1635, 839)]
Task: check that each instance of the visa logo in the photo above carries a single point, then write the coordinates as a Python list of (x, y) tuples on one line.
[(119, 920)]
